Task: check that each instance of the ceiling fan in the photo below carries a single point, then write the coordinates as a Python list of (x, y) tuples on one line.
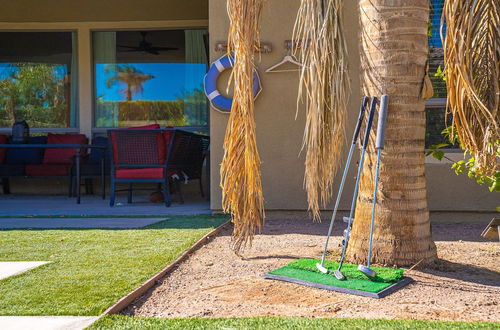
[(145, 46)]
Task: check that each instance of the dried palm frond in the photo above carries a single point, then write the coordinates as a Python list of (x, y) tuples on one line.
[(472, 69), (240, 168), (324, 85)]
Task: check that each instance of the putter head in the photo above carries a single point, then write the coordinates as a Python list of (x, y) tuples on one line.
[(322, 268), (338, 275), (367, 271)]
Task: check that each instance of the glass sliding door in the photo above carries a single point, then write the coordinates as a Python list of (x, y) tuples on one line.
[(38, 79), (153, 76)]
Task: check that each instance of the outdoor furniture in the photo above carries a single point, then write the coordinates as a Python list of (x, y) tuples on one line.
[(183, 153), (198, 151), (96, 164), (36, 161), (15, 160), (140, 155)]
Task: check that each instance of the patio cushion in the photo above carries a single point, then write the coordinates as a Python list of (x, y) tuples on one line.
[(3, 151), (62, 155), (26, 156), (47, 170), (139, 173), (151, 126)]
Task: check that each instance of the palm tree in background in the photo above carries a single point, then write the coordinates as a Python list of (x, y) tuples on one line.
[(132, 77)]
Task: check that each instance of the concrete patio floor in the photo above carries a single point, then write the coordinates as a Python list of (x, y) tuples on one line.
[(50, 205)]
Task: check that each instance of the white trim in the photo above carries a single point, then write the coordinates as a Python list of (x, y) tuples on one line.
[(213, 95), (219, 66)]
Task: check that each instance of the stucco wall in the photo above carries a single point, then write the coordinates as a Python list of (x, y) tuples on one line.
[(279, 135), (102, 10)]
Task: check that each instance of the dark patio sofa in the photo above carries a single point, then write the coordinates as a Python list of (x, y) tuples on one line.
[(39, 162)]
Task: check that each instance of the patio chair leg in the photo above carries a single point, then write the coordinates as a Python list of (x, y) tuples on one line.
[(179, 191), (6, 186), (166, 194), (129, 196), (112, 194)]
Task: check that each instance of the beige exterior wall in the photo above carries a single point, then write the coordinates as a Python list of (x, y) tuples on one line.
[(279, 135), (102, 10)]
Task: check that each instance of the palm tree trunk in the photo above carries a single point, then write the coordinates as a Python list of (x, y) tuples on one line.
[(394, 51), (128, 93)]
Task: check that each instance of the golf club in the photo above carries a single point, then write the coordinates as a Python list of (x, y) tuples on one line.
[(379, 145), (347, 232), (364, 102)]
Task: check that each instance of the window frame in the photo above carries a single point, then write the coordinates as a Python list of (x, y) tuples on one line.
[(4, 130), (83, 31), (97, 130)]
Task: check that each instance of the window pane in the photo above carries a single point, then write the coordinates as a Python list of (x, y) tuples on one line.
[(436, 55), (144, 77), (38, 79), (436, 123), (436, 116)]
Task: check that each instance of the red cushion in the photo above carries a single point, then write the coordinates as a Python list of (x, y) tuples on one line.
[(47, 170), (139, 173), (151, 126), (62, 155), (3, 151)]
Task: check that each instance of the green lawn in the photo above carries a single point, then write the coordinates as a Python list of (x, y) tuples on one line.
[(127, 322), (91, 269)]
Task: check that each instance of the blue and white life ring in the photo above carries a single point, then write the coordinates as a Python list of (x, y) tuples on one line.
[(220, 102)]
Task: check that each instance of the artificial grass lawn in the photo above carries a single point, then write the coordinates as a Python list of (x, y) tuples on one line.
[(91, 269), (305, 269), (128, 322)]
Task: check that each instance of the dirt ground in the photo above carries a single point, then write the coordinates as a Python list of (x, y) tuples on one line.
[(213, 282)]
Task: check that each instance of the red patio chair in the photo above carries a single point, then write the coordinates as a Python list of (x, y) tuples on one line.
[(140, 155)]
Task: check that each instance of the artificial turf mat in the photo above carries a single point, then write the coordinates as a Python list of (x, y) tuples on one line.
[(384, 274), (305, 270)]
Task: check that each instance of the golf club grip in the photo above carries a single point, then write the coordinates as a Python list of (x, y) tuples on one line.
[(373, 106), (364, 103), (382, 116)]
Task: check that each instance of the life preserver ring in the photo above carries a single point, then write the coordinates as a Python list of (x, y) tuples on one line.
[(220, 102)]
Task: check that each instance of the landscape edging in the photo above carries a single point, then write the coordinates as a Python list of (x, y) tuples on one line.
[(132, 296)]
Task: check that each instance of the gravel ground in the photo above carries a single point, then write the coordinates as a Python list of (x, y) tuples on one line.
[(214, 282)]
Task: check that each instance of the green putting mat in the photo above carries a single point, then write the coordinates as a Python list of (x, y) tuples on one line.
[(304, 271)]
